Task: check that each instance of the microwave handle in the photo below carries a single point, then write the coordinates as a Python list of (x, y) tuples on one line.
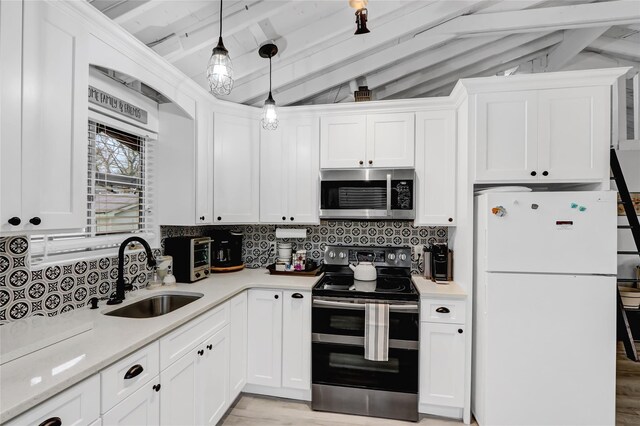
[(388, 195)]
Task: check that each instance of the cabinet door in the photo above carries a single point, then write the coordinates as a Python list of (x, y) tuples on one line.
[(506, 136), (10, 115), (141, 408), (296, 339), (303, 170), (78, 406), (214, 378), (442, 364), (54, 110), (574, 133), (436, 167), (343, 141), (204, 164), (265, 338), (237, 345), (180, 394), (236, 169), (390, 140), (273, 175)]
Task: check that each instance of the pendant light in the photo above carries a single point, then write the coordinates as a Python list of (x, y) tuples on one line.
[(220, 70), (361, 21), (269, 114)]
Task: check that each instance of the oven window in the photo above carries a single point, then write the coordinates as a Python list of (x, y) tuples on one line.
[(343, 365), (201, 255), (347, 322), (337, 195)]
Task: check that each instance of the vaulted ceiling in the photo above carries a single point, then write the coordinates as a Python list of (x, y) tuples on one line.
[(414, 49)]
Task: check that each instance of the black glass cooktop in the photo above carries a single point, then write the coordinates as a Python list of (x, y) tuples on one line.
[(390, 285)]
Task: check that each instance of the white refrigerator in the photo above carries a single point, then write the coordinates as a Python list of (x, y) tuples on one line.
[(544, 345)]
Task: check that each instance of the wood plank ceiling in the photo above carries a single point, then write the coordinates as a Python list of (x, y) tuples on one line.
[(414, 49)]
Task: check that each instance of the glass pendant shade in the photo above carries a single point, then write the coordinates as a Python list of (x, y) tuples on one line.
[(220, 70), (269, 114)]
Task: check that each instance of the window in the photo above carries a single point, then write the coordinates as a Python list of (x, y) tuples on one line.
[(119, 194)]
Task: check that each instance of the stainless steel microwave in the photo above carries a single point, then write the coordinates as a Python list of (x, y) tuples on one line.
[(367, 194)]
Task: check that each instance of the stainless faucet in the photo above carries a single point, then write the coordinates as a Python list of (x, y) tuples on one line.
[(121, 286)]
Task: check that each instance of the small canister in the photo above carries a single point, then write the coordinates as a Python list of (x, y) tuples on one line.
[(299, 259)]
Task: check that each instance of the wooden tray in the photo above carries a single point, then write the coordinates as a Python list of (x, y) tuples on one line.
[(311, 273), (217, 269)]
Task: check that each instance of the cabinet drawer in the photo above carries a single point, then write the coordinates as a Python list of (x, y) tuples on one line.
[(442, 310), (78, 406), (128, 375), (180, 341)]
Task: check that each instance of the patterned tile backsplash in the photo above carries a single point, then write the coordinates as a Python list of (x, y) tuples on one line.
[(50, 290), (256, 238), (61, 287)]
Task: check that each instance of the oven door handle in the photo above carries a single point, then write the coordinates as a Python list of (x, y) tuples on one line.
[(359, 341), (388, 195), (360, 306)]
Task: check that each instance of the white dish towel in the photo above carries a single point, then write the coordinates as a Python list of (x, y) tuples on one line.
[(376, 331)]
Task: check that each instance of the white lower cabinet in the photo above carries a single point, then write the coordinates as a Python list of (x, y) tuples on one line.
[(142, 408), (179, 393), (279, 343), (213, 377), (442, 360), (77, 406), (237, 345)]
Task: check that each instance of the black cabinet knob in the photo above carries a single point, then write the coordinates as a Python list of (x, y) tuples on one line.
[(533, 173), (219, 218), (450, 219), (275, 296), (370, 161), (14, 221), (156, 387), (52, 421), (284, 218), (201, 217), (297, 296), (210, 347), (133, 372), (201, 352), (291, 218), (545, 173), (361, 162), (460, 330), (443, 310), (35, 221)]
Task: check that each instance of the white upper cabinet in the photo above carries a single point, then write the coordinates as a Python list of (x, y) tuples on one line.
[(390, 140), (436, 168), (46, 166), (551, 135), (204, 165), (343, 141), (289, 168), (236, 169), (506, 136), (574, 133), (374, 140)]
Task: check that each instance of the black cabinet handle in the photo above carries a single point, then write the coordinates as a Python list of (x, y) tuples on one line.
[(545, 173), (52, 421), (156, 387), (14, 221), (443, 310), (284, 218), (275, 296), (219, 218), (297, 296), (35, 220), (533, 173), (201, 217), (291, 218), (209, 347), (201, 352), (460, 330), (133, 372)]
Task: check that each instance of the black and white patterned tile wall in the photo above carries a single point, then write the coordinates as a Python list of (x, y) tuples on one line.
[(257, 238), (60, 287)]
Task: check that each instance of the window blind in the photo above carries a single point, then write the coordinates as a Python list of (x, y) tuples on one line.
[(120, 190)]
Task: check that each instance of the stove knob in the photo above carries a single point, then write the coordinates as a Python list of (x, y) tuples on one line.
[(332, 254), (342, 255), (402, 257), (391, 256), (197, 274)]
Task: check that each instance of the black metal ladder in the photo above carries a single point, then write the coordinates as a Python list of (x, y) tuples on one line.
[(624, 331)]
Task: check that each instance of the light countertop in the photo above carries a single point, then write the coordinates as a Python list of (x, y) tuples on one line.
[(31, 379)]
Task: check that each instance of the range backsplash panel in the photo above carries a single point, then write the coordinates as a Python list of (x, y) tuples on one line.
[(257, 238), (50, 290)]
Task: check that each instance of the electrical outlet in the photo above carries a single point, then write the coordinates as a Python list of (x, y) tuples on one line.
[(272, 248)]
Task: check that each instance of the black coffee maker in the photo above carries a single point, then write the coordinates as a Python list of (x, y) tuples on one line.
[(226, 251)]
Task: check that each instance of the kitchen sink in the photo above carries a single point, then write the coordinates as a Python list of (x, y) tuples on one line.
[(155, 306)]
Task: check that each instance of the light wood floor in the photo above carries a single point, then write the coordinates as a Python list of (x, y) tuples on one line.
[(253, 410), (627, 389)]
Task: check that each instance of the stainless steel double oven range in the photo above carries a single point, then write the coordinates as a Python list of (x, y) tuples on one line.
[(342, 379)]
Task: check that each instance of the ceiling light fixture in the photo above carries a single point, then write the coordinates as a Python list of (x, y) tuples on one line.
[(269, 114), (220, 70)]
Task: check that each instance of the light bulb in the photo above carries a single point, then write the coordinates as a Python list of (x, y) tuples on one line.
[(269, 114), (220, 71)]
